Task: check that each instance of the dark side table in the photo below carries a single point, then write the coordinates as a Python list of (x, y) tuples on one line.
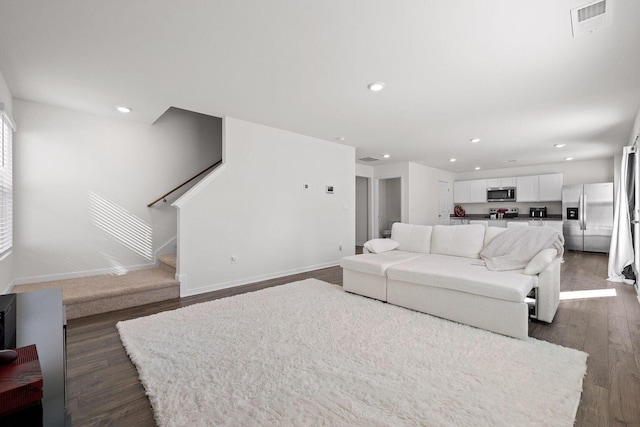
[(41, 320)]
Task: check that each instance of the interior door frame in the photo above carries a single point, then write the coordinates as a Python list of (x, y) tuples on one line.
[(446, 220), (375, 231)]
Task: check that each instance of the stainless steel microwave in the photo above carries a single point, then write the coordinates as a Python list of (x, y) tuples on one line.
[(502, 194)]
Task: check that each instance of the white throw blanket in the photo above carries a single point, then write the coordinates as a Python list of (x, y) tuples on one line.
[(515, 247)]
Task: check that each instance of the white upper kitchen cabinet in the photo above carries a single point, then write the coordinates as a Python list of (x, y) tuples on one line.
[(461, 192), (501, 182), (527, 189), (474, 191), (478, 191), (539, 188), (550, 187)]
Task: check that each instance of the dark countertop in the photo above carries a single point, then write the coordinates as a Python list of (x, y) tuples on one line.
[(483, 217)]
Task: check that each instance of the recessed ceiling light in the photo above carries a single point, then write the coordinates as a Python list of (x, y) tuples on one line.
[(341, 138), (123, 109), (452, 160), (475, 140), (477, 168), (559, 145), (376, 86), (568, 158), (386, 156)]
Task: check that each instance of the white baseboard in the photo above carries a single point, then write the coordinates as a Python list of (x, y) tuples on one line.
[(183, 279), (77, 274), (248, 280)]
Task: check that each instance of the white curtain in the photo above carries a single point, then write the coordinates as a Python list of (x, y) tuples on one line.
[(621, 253)]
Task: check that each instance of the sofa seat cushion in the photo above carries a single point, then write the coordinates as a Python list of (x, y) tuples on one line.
[(376, 263), (464, 275)]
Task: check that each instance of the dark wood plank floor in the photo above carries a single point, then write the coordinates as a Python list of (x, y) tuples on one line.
[(103, 386)]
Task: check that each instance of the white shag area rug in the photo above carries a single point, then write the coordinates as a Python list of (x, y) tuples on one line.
[(308, 353)]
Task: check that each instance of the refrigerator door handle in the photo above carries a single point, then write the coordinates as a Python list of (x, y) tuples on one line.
[(580, 212), (584, 212)]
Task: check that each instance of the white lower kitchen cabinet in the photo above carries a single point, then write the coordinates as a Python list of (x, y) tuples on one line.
[(458, 221)]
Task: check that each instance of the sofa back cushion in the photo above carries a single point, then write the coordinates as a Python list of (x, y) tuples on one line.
[(458, 240), (412, 238), (492, 232)]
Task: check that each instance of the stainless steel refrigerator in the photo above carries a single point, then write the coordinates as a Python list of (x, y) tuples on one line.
[(587, 214)]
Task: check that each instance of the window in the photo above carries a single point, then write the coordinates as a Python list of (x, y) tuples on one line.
[(6, 182)]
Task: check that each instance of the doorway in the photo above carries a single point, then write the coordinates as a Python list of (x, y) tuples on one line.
[(443, 203), (362, 210), (389, 205)]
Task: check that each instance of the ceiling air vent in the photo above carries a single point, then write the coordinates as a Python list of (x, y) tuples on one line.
[(590, 17), (368, 159)]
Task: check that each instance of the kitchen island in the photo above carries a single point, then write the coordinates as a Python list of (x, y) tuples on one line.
[(554, 221)]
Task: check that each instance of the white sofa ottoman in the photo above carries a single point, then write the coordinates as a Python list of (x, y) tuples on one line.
[(365, 274)]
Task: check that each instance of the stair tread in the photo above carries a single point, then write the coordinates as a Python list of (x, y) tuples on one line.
[(96, 287), (169, 259)]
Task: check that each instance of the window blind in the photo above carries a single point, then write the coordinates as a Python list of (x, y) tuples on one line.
[(6, 182)]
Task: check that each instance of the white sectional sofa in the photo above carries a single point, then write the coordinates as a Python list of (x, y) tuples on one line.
[(438, 270)]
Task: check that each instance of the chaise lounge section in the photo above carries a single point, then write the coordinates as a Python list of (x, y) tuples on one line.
[(438, 270)]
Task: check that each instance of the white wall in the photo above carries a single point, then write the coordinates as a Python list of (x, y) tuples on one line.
[(81, 178), (6, 264), (364, 170), (256, 209), (423, 193), (575, 172)]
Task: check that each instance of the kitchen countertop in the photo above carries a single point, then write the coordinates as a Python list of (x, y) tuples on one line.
[(483, 217)]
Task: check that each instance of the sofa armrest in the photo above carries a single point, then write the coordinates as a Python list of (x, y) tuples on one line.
[(548, 293)]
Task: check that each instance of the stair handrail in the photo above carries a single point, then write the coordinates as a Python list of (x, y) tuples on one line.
[(164, 197)]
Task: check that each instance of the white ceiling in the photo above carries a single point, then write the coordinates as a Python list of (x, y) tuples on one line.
[(506, 71)]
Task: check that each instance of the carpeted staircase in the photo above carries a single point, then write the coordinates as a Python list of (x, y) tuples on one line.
[(168, 263), (85, 296)]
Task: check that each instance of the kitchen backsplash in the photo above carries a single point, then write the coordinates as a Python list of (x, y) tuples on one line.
[(553, 208)]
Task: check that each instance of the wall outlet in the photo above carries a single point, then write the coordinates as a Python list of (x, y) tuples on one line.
[(234, 259)]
